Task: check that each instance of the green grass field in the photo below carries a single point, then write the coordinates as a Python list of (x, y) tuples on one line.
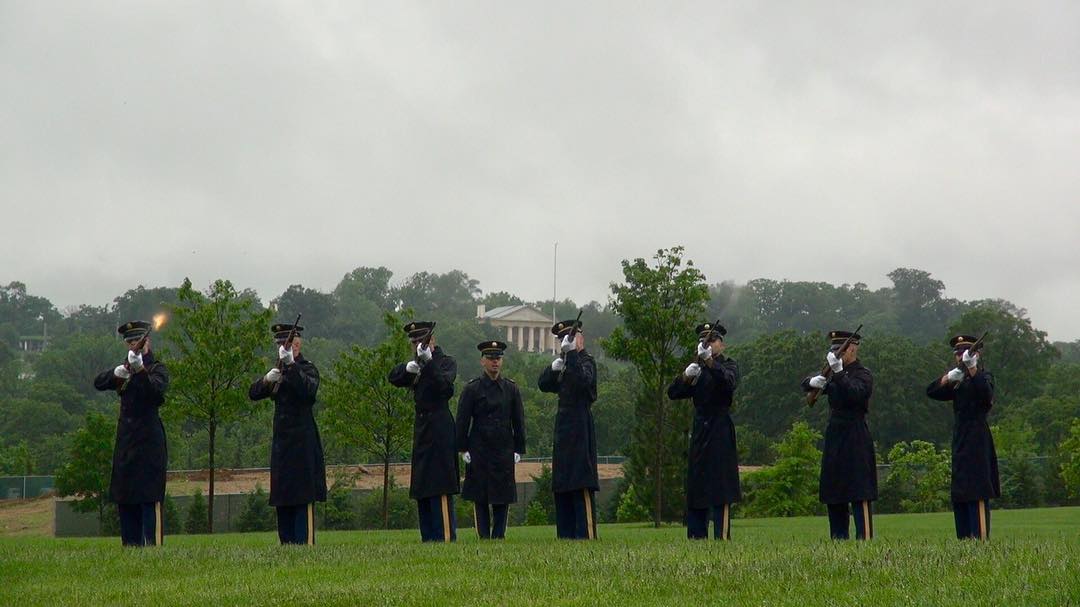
[(1033, 559)]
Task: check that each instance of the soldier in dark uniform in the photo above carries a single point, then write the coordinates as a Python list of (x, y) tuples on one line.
[(974, 460), (491, 439), (140, 455), (848, 465), (297, 470), (434, 480), (573, 463), (712, 478)]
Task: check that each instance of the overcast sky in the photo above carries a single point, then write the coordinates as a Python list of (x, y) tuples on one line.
[(806, 141)]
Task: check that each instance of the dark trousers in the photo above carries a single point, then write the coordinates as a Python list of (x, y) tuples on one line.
[(864, 520), (697, 522), (490, 520), (972, 519), (141, 524), (437, 520), (574, 515), (296, 524)]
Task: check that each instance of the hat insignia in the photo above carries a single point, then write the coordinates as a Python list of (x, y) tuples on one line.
[(493, 344)]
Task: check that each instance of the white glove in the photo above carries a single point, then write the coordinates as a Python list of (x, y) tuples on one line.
[(558, 364), (704, 352), (567, 343), (517, 458), (121, 372), (424, 354), (273, 376), (834, 362), (692, 370), (135, 361), (955, 375), (818, 382), (468, 458), (412, 367), (970, 360), (285, 356)]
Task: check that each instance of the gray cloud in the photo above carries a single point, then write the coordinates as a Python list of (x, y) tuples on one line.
[(474, 135)]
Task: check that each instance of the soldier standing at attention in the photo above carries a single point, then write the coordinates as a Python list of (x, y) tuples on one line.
[(297, 470), (974, 460), (848, 465), (140, 455), (574, 479), (491, 439), (712, 477), (434, 479)]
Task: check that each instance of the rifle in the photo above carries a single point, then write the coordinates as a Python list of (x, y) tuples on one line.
[(974, 349), (812, 395), (703, 362), (574, 328), (423, 342), (288, 346), (139, 345)]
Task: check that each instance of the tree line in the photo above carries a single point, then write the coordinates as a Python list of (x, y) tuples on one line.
[(217, 341)]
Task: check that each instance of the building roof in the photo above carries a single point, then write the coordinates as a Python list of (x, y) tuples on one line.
[(517, 313)]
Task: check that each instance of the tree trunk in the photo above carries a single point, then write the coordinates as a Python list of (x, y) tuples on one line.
[(658, 497), (386, 492), (210, 499)]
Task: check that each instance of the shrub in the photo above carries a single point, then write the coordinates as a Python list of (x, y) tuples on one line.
[(257, 514), (789, 487), (196, 521)]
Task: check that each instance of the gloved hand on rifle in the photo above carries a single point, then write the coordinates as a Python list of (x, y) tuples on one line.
[(424, 354), (970, 360), (818, 382), (692, 370), (835, 363), (517, 458), (135, 362), (122, 372), (273, 376), (954, 375), (704, 352), (567, 343), (466, 457), (412, 367), (285, 356), (558, 364)]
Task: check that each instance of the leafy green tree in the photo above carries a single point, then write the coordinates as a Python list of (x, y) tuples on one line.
[(257, 514), (631, 507), (768, 397), (900, 410), (536, 515), (545, 495), (198, 518), (1051, 413), (449, 295), (660, 302), (317, 307), (88, 470), (74, 362), (402, 510), (920, 476), (1016, 353), (754, 447), (790, 486), (1070, 460), (213, 358), (1021, 482), (363, 410)]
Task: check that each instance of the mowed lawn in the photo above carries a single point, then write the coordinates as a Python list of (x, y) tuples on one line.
[(1032, 559)]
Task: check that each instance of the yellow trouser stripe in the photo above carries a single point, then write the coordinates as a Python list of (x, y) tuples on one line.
[(311, 524), (475, 521), (159, 531), (725, 531), (588, 514), (982, 520), (866, 519), (445, 520)]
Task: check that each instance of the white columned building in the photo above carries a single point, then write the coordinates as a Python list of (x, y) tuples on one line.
[(527, 329)]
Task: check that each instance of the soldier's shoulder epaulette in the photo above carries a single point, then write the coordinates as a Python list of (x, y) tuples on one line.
[(510, 380), (473, 380)]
